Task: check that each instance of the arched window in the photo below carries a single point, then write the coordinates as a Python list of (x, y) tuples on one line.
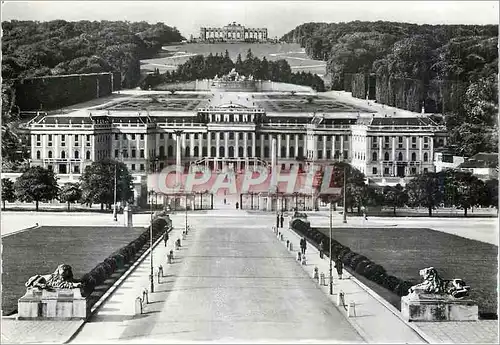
[(187, 151), (213, 151), (400, 156), (413, 157), (386, 156), (63, 154), (196, 151), (50, 154), (283, 151), (221, 151), (231, 151), (204, 151), (374, 156), (77, 154), (240, 151), (87, 155), (162, 152), (38, 155), (170, 151), (426, 157), (266, 151)]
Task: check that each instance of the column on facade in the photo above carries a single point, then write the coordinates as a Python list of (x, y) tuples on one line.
[(245, 144), (279, 146), (380, 155), (324, 147), (393, 156), (333, 146), (217, 143), (226, 144), (209, 144), (262, 145), (253, 144), (407, 168), (237, 144), (296, 145), (342, 146), (200, 145), (287, 153), (420, 154), (431, 151)]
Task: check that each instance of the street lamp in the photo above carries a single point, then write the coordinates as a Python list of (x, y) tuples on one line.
[(331, 234), (151, 279), (344, 192), (115, 212)]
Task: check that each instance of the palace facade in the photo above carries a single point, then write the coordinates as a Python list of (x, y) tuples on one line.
[(235, 130), (233, 32)]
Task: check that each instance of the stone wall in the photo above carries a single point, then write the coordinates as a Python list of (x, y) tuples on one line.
[(52, 92)]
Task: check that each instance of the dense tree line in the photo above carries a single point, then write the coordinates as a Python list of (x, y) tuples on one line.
[(450, 69), (201, 67), (450, 188), (38, 184), (34, 49)]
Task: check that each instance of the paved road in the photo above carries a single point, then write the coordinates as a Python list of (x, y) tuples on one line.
[(234, 282)]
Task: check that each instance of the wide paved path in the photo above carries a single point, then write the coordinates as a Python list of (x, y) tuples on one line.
[(233, 281)]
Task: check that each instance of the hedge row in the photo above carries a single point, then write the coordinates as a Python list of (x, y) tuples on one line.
[(357, 262), (121, 257)]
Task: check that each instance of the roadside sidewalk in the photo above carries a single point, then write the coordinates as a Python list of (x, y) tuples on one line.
[(375, 320), (111, 318)]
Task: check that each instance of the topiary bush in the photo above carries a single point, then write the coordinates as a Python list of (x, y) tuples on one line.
[(346, 259), (356, 260), (402, 288), (361, 266)]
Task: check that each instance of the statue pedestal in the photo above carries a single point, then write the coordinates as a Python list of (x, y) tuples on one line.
[(435, 307), (60, 304)]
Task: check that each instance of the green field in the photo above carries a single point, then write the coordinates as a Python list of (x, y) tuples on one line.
[(404, 251), (40, 251), (293, 53)]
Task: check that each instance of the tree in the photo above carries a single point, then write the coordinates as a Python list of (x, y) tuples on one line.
[(36, 184), (98, 184), (426, 190), (70, 193), (8, 192), (491, 195), (395, 196), (464, 189)]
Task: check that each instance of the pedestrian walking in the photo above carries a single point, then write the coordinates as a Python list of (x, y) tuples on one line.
[(282, 219), (339, 265), (277, 221), (321, 249), (303, 245), (165, 237)]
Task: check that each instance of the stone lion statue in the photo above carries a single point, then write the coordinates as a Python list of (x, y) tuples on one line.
[(434, 284), (62, 278)]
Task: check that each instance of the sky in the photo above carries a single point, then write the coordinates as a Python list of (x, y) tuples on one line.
[(278, 16)]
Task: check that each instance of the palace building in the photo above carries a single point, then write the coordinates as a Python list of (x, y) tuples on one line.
[(235, 130), (233, 32)]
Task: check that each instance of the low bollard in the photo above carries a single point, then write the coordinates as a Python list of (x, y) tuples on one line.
[(299, 256), (170, 257), (340, 299), (351, 309), (184, 236), (281, 237), (145, 296), (304, 260), (316, 274), (138, 306), (178, 244), (287, 244), (291, 247), (322, 281), (160, 270)]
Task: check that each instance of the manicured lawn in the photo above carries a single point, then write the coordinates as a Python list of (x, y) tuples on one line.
[(404, 251), (40, 251)]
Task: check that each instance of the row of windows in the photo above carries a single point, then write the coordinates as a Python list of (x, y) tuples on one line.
[(62, 154), (413, 170), (387, 156)]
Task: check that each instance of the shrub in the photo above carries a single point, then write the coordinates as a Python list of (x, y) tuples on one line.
[(344, 252), (361, 266), (347, 258), (373, 269), (402, 288), (378, 277), (356, 260), (390, 282)]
